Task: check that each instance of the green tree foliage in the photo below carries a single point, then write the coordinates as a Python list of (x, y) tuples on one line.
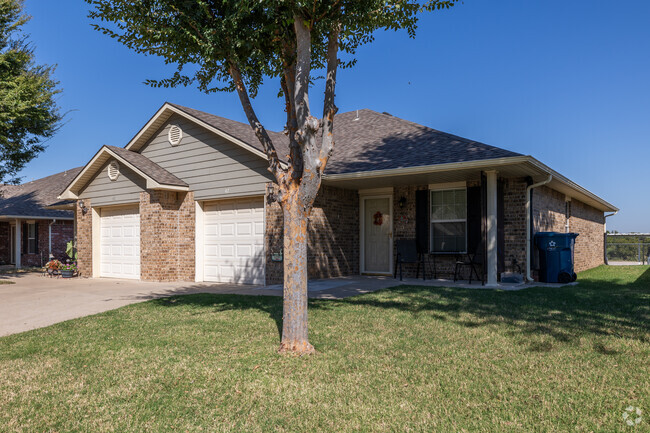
[(28, 111), (233, 45)]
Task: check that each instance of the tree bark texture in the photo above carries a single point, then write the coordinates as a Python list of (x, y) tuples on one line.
[(294, 317)]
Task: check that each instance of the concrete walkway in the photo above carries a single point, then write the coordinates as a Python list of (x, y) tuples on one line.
[(35, 301)]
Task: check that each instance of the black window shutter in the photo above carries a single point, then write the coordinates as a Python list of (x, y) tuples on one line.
[(422, 220), (501, 235), (36, 249), (474, 218), (24, 227)]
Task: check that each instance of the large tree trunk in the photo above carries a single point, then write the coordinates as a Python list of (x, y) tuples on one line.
[(298, 183), (294, 318)]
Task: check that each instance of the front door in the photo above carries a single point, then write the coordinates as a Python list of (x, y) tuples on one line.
[(377, 235)]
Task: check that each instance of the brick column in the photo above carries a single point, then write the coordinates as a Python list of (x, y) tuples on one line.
[(167, 236), (84, 223)]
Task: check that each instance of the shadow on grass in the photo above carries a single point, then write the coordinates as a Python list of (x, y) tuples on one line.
[(605, 307), (614, 306), (271, 305)]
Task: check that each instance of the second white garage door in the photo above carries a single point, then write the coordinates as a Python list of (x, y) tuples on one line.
[(120, 243), (234, 241)]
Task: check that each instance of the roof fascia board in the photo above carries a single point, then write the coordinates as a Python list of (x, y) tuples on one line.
[(67, 194), (28, 217), (571, 184), (427, 168), (147, 125), (168, 107), (168, 187)]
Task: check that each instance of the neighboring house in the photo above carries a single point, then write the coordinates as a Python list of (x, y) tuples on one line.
[(31, 230), (187, 199)]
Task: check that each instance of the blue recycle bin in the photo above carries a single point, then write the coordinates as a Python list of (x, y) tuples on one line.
[(556, 256)]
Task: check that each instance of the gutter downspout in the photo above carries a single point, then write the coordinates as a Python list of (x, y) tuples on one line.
[(50, 239), (529, 278), (605, 235)]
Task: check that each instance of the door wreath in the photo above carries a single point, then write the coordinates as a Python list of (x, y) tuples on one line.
[(377, 218)]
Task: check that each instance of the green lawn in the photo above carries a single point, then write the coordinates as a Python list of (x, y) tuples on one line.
[(403, 359)]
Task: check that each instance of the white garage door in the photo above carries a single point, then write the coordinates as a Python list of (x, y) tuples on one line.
[(120, 243), (234, 241)]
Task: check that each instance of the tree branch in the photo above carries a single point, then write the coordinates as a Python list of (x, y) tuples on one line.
[(303, 64), (260, 131), (295, 154), (329, 107)]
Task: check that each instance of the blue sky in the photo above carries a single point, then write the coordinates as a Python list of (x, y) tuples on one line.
[(566, 82)]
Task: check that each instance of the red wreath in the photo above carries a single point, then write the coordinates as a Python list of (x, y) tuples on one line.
[(378, 219)]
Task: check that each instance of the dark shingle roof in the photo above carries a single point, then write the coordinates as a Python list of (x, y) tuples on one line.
[(373, 141), (377, 141), (30, 199), (148, 167)]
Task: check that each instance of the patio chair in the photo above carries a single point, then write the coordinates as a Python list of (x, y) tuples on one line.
[(472, 261), (407, 252)]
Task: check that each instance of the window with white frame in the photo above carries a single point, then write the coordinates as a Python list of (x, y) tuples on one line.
[(31, 238), (449, 220)]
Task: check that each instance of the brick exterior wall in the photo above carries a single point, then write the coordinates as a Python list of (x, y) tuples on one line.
[(167, 233), (549, 210), (514, 224), (551, 213), (167, 221), (590, 245), (333, 244), (84, 240), (62, 232)]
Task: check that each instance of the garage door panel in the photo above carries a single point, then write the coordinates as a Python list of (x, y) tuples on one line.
[(226, 251), (120, 243), (235, 255), (244, 228), (225, 229)]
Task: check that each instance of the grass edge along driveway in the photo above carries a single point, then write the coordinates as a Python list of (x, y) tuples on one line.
[(402, 359)]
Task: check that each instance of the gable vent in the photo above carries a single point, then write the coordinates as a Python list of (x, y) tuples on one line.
[(175, 135), (113, 170)]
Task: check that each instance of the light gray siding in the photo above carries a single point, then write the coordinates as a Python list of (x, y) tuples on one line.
[(102, 191), (212, 166)]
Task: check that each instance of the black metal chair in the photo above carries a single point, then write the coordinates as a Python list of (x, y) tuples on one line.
[(472, 261), (407, 252)]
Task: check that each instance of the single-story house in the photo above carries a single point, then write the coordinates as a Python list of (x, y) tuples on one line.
[(187, 200), (34, 223)]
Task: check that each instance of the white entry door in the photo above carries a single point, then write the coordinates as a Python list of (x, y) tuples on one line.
[(120, 243), (377, 235), (234, 241)]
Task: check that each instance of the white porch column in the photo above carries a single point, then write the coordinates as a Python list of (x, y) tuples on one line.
[(491, 228), (19, 242)]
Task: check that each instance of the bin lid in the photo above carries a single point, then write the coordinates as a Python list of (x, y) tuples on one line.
[(555, 234)]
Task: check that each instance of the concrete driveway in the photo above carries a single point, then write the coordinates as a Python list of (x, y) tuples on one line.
[(35, 301)]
